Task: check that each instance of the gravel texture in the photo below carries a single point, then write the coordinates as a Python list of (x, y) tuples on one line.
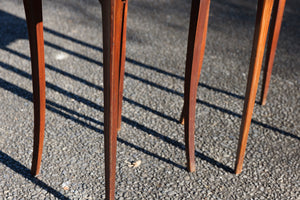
[(73, 159)]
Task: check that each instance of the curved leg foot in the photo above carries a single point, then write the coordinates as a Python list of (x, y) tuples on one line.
[(33, 10), (195, 52)]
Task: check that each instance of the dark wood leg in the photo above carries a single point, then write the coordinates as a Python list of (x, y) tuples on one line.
[(272, 44), (122, 62), (112, 13), (201, 56), (264, 10), (195, 51), (33, 10)]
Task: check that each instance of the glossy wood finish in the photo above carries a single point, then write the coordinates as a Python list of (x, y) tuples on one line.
[(201, 55), (114, 38), (271, 48), (272, 44), (33, 11), (195, 52), (113, 13), (264, 10), (122, 62)]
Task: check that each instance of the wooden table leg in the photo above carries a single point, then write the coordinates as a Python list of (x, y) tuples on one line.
[(195, 51), (122, 61), (272, 44), (264, 10), (33, 10), (113, 15), (201, 55)]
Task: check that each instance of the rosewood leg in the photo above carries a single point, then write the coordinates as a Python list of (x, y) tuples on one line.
[(272, 44), (122, 61), (112, 13), (201, 55), (264, 10), (33, 10), (195, 50)]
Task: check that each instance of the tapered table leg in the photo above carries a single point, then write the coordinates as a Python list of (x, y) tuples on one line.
[(201, 54), (33, 10), (195, 51), (272, 44), (122, 61), (113, 15), (264, 10)]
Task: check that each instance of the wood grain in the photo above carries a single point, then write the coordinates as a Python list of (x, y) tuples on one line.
[(113, 24), (264, 10), (274, 31), (34, 19), (195, 52), (122, 62), (201, 56)]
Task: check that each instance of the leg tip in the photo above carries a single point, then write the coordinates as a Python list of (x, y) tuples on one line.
[(34, 173), (238, 170), (263, 101), (192, 167), (181, 121)]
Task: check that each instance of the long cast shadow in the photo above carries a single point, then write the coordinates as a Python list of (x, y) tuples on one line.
[(149, 67), (136, 78), (87, 102), (229, 112), (54, 107), (16, 29), (17, 167), (80, 99), (20, 21), (94, 105), (72, 95)]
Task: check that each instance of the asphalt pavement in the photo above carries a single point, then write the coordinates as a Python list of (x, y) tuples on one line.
[(73, 157)]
